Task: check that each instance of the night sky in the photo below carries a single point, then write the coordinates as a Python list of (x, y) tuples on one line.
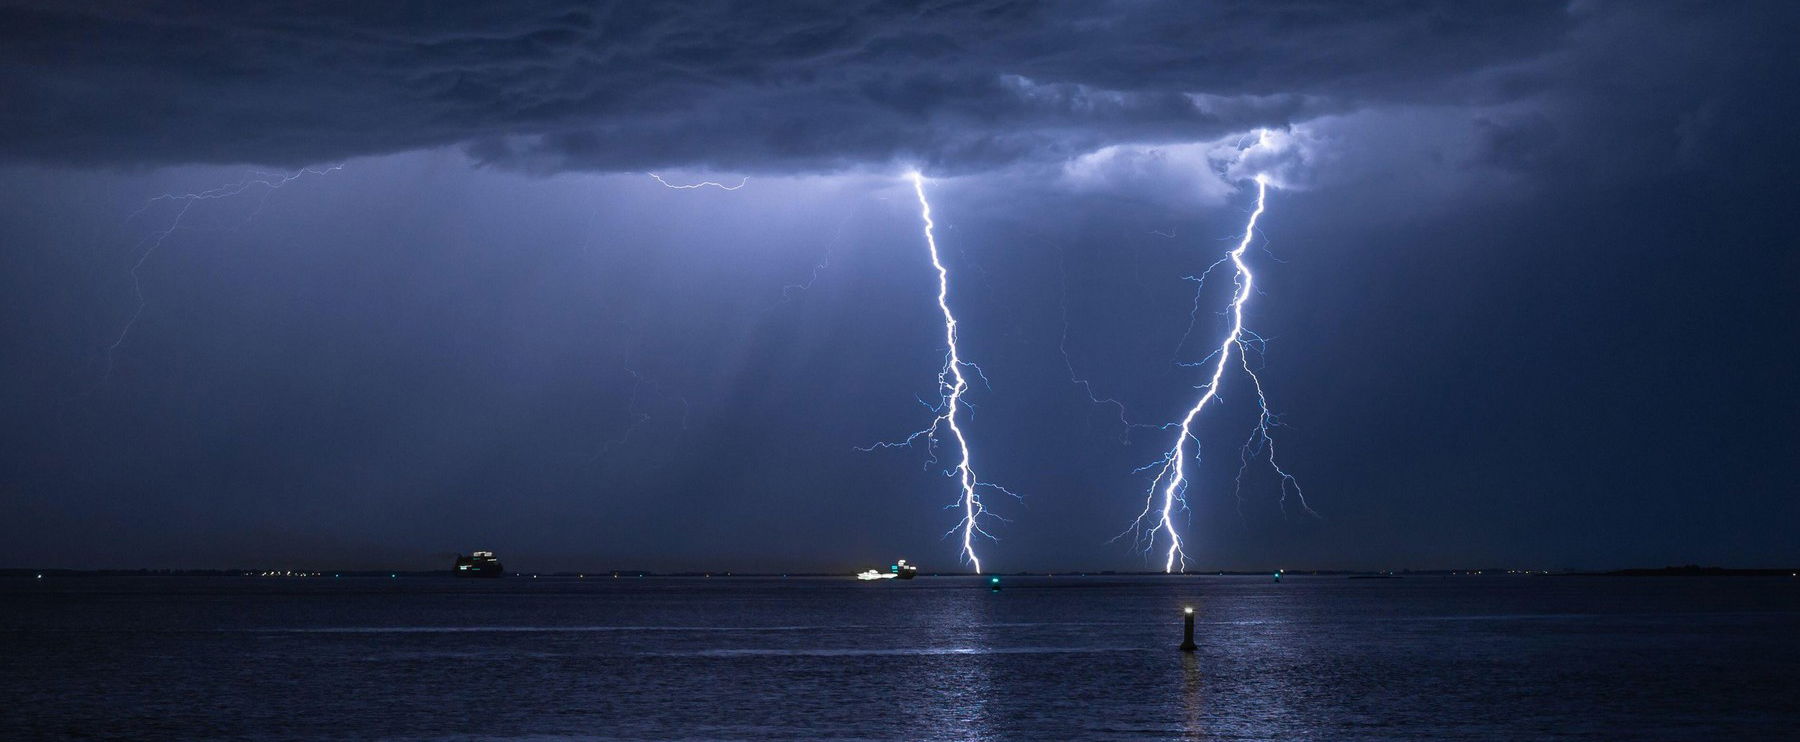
[(1527, 278)]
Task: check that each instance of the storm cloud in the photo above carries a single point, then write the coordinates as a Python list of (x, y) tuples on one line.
[(793, 87)]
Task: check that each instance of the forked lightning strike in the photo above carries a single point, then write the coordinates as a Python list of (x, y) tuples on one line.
[(1168, 489), (951, 385)]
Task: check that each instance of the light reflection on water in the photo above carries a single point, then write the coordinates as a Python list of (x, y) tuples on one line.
[(1193, 697), (749, 652), (1310, 658)]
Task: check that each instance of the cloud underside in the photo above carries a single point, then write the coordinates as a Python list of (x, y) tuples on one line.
[(791, 87)]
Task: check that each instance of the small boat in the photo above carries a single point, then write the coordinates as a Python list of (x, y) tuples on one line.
[(897, 571)]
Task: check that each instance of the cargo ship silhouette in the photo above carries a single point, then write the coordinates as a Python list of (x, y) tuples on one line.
[(478, 564)]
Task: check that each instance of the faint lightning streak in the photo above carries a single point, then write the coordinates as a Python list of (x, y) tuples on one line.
[(951, 385), (824, 262), (638, 416), (1260, 439), (702, 184), (1075, 377), (1171, 479), (269, 181), (1194, 312)]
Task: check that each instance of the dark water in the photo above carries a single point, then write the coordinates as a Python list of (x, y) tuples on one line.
[(1492, 657)]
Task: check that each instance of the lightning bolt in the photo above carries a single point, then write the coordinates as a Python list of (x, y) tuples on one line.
[(951, 385), (269, 182), (1168, 489), (702, 184)]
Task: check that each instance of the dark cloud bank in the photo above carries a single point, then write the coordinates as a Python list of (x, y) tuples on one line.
[(760, 87)]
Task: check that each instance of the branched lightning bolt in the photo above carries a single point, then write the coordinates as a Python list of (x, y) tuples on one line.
[(702, 184), (951, 385), (1167, 490), (149, 244)]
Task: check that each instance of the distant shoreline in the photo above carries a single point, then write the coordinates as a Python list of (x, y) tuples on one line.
[(1683, 571)]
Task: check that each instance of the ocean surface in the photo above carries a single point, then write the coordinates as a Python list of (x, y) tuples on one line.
[(1046, 658)]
